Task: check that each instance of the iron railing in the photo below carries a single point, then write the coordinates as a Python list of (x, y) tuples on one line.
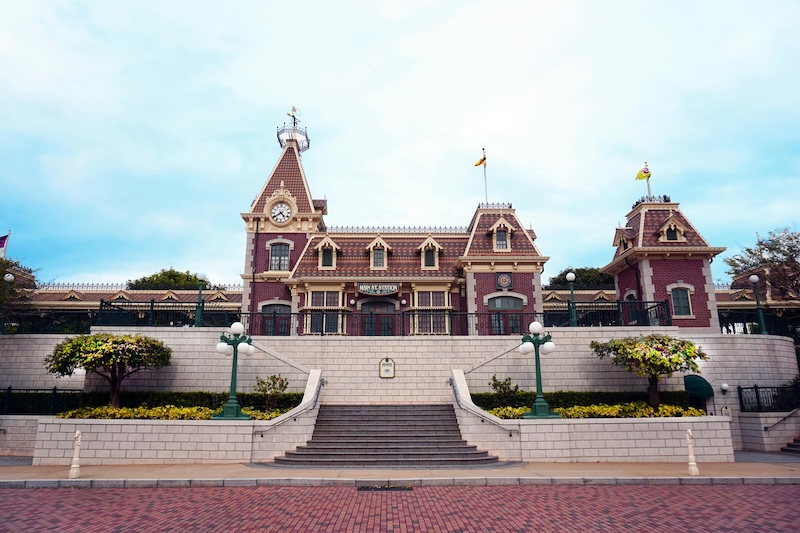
[(39, 401), (345, 321), (746, 321), (61, 322), (757, 399)]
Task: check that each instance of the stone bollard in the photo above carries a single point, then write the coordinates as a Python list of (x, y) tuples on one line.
[(693, 470), (75, 469)]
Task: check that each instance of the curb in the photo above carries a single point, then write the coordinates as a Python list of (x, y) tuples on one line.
[(386, 483)]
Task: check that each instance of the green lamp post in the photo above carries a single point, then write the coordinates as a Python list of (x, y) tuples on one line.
[(198, 312), (761, 325), (235, 343), (533, 343), (573, 314)]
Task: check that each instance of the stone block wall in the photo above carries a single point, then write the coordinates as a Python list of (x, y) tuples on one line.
[(592, 440), (781, 433), (18, 435)]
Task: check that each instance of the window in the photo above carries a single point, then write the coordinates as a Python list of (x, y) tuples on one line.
[(378, 258), (430, 258), (680, 302), (506, 315), (672, 234), (324, 319), (276, 319), (279, 257), (431, 320), (501, 241), (327, 257)]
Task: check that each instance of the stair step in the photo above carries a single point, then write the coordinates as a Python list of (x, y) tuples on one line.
[(424, 436)]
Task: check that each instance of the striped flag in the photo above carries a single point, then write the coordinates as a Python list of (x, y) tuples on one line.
[(4, 245)]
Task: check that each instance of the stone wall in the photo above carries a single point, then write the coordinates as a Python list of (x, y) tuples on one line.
[(18, 435), (780, 432), (592, 440)]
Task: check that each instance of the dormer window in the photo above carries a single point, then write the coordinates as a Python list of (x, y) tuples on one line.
[(378, 259), (429, 253), (379, 252), (501, 235), (672, 231), (501, 241), (430, 258), (326, 257), (327, 249)]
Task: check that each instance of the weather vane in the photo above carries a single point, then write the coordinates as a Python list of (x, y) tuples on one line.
[(295, 114)]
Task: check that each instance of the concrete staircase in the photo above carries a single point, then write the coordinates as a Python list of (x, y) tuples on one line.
[(792, 447), (387, 436)]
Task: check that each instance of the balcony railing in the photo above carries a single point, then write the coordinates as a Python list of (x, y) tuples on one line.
[(757, 399), (344, 321)]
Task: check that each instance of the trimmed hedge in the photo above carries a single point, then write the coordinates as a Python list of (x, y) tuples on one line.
[(166, 412), (562, 399), (211, 400), (636, 409)]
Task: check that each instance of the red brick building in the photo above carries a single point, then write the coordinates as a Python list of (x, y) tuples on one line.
[(304, 277), (661, 256)]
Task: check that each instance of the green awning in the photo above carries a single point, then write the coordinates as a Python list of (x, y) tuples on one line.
[(698, 387)]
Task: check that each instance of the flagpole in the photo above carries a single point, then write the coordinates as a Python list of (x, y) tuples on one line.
[(649, 194), (485, 186)]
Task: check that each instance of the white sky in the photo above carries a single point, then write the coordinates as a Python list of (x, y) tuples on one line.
[(133, 133)]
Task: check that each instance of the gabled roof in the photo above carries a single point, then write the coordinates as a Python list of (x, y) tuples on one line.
[(644, 231), (353, 263), (486, 219), (288, 173)]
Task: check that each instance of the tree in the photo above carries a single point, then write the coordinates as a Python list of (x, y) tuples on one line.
[(112, 357), (585, 278), (652, 356), (168, 279), (778, 256)]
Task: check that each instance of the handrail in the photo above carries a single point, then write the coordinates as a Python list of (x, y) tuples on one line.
[(294, 416), (794, 412), (477, 413)]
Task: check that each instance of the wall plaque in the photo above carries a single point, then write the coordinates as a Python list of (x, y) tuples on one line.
[(386, 368), (378, 288)]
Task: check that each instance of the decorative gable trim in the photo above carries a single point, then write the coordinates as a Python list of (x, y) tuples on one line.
[(121, 295), (602, 297), (327, 250), (218, 296), (72, 295), (553, 296), (429, 254), (378, 254), (672, 230), (169, 296), (501, 235)]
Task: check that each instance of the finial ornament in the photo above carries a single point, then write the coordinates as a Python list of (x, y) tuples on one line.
[(295, 114)]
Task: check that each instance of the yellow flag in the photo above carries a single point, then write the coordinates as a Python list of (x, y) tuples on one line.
[(643, 174), (481, 161)]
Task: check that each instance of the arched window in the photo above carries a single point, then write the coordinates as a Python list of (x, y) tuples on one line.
[(506, 315)]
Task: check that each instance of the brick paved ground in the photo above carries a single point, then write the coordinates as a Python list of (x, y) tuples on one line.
[(701, 508)]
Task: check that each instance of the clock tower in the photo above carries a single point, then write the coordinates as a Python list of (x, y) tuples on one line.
[(278, 223)]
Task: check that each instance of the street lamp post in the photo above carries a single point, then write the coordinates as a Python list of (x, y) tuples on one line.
[(8, 278), (533, 342), (198, 312), (234, 343), (761, 325), (573, 314)]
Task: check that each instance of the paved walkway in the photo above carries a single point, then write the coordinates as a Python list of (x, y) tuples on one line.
[(759, 492), (750, 468)]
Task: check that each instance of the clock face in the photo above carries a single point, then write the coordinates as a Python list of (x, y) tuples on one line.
[(281, 212)]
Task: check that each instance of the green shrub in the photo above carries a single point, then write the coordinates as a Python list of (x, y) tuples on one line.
[(561, 399), (212, 400), (165, 412), (637, 409), (509, 412), (271, 389)]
